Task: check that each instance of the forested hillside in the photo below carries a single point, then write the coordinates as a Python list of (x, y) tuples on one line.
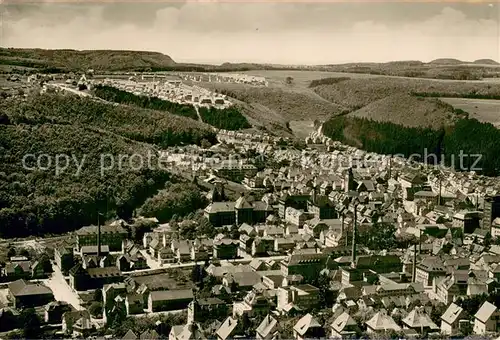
[(115, 95), (39, 202), (142, 125), (227, 119), (466, 136), (91, 134)]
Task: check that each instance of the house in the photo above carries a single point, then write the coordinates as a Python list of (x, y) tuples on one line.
[(343, 326), (226, 249), (189, 331), (169, 300), (228, 329), (93, 278), (201, 310), (54, 311), (74, 321), (305, 296), (24, 294), (64, 259), (450, 320), (306, 265), (382, 323), (308, 327), (268, 329), (486, 319), (429, 268), (419, 321), (244, 280), (23, 269), (112, 235)]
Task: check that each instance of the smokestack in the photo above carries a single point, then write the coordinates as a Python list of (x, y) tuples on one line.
[(414, 267), (390, 167), (354, 232), (98, 235), (439, 196)]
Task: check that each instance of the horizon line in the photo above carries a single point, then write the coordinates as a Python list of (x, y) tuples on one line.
[(218, 63), (20, 2)]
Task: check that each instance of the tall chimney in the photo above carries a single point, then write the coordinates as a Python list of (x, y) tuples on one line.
[(414, 267), (98, 235), (354, 232), (390, 167), (439, 196)]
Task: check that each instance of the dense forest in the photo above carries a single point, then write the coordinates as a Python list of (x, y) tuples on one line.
[(36, 202), (466, 136), (327, 81), (142, 125), (227, 119), (470, 95), (176, 199), (115, 95)]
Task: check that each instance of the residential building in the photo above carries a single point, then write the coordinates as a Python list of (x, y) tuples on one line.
[(168, 300), (308, 327), (450, 320), (111, 235), (24, 294), (487, 319)]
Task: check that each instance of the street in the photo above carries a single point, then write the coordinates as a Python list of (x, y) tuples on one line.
[(62, 291)]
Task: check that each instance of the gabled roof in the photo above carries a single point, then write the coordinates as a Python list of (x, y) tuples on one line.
[(382, 322), (267, 326), (306, 322), (417, 318), (227, 328), (22, 288), (485, 312), (242, 203), (452, 313), (343, 321), (130, 335)]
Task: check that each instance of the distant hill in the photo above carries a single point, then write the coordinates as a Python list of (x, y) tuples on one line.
[(358, 92), (485, 62), (408, 110), (446, 61), (99, 60)]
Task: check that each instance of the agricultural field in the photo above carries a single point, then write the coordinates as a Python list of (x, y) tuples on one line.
[(484, 110)]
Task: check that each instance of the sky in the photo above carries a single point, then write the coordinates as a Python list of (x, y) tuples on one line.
[(324, 32)]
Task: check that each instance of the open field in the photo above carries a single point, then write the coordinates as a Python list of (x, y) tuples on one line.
[(484, 110), (303, 78), (302, 128)]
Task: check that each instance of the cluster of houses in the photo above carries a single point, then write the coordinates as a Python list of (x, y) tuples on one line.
[(225, 78), (168, 88)]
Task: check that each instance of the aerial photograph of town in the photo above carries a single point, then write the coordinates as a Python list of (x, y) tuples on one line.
[(194, 170)]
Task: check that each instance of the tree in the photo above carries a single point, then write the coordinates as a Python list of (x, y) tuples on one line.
[(82, 87), (205, 144), (235, 233), (46, 265), (31, 324), (4, 119), (11, 252), (289, 80)]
